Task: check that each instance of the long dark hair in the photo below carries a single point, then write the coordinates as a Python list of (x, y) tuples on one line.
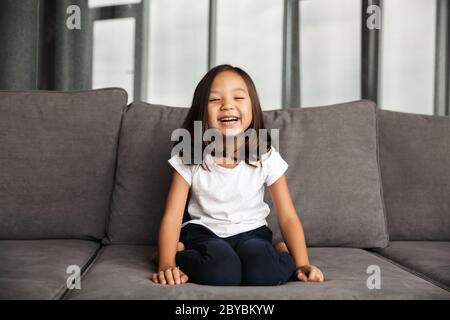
[(199, 110)]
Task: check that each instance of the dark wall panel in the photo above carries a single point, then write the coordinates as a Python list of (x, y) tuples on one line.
[(19, 28)]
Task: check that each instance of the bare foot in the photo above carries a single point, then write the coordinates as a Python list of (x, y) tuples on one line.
[(155, 259), (180, 246), (281, 247)]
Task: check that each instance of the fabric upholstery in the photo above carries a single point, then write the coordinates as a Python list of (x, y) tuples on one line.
[(37, 269), (430, 259), (333, 173), (414, 163), (57, 162), (124, 272), (143, 173)]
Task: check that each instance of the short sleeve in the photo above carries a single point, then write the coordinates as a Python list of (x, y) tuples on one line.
[(273, 166), (183, 169)]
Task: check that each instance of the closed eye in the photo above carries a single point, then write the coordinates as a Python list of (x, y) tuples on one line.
[(212, 100), (237, 98)]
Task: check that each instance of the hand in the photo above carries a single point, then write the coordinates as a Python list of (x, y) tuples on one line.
[(309, 273), (170, 275)]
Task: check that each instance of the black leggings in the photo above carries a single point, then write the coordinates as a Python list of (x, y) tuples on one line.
[(246, 259)]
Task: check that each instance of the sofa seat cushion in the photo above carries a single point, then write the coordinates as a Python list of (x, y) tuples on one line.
[(36, 269), (430, 259), (124, 272)]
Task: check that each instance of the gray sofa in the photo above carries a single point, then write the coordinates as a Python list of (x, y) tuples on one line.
[(84, 178)]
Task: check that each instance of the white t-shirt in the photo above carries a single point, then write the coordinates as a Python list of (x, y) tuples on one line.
[(229, 201)]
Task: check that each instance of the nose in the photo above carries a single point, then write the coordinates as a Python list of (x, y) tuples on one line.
[(227, 106)]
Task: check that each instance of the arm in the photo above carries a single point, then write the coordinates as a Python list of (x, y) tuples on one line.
[(292, 230), (169, 232)]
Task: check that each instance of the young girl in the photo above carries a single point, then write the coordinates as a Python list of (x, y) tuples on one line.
[(227, 241)]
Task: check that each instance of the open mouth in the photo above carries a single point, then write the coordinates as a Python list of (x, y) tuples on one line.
[(229, 120)]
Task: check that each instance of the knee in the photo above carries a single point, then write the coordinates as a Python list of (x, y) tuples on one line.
[(221, 266), (261, 264)]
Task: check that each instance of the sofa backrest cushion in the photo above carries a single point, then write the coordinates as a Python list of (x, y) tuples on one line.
[(143, 173), (57, 162), (415, 163), (333, 173)]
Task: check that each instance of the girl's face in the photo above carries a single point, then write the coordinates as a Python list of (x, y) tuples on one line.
[(229, 104)]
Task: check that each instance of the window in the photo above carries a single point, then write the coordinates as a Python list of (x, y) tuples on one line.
[(104, 3), (330, 51), (407, 59), (166, 41), (178, 50), (250, 36), (113, 54)]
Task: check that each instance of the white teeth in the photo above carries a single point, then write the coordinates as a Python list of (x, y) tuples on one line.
[(228, 119)]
